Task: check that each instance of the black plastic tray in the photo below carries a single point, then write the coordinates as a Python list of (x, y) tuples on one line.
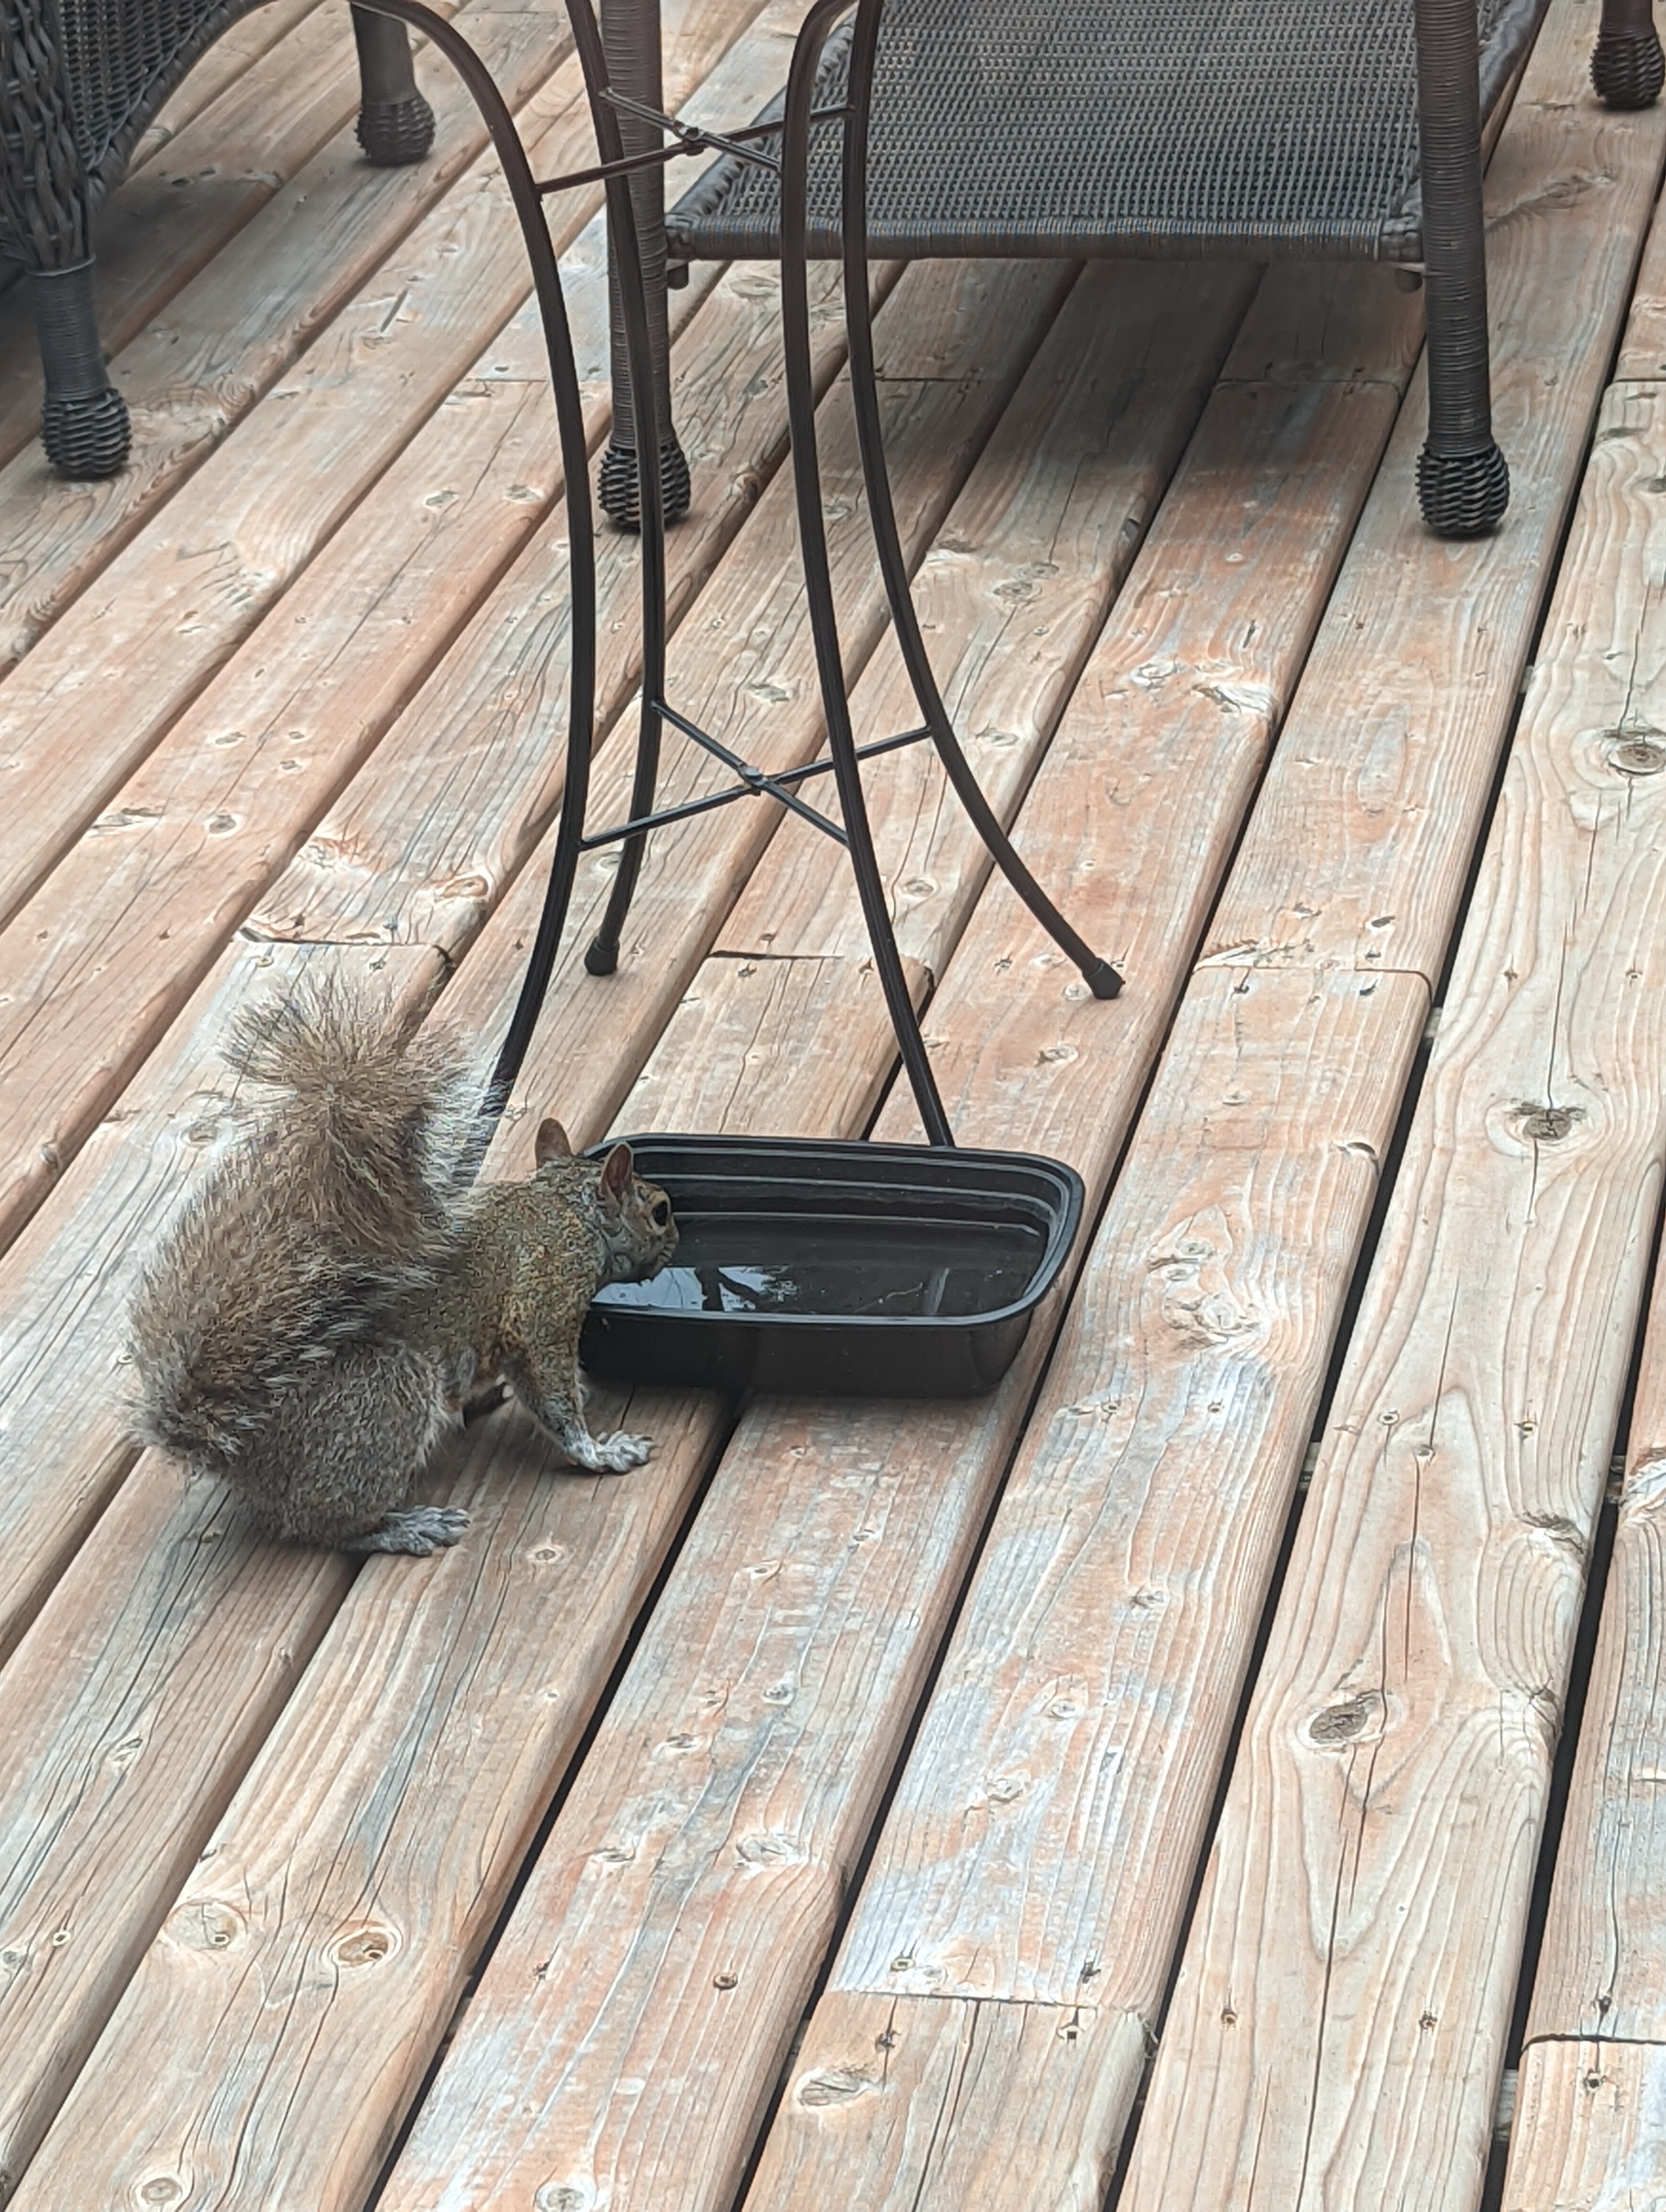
[(892, 1270)]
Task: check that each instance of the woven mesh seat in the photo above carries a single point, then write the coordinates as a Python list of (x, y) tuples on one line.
[(79, 81), (1264, 127)]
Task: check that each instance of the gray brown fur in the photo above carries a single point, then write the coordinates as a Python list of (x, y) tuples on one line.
[(315, 1322)]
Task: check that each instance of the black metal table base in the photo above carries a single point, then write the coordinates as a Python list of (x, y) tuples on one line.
[(658, 489)]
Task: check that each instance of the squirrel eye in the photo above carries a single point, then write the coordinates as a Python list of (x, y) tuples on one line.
[(661, 1213)]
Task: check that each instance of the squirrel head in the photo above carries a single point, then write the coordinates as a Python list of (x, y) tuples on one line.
[(632, 1216)]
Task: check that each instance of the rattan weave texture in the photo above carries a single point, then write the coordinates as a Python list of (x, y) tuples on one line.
[(1273, 127)]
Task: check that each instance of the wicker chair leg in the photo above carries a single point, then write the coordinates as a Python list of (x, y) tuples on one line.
[(396, 124), (631, 41), (1627, 67), (1463, 481), (83, 425)]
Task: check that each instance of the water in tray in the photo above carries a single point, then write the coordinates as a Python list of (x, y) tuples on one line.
[(738, 1263)]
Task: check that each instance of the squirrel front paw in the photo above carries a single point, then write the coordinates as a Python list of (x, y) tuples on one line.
[(425, 1528), (614, 1454)]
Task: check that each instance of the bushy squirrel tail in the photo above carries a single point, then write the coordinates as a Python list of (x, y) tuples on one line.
[(377, 1124), (346, 1196)]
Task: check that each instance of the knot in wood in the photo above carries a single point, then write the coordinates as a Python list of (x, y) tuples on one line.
[(560, 2197), (363, 1947), (161, 2189), (206, 1925), (1548, 1125), (832, 2085), (1638, 756), (1344, 1721)]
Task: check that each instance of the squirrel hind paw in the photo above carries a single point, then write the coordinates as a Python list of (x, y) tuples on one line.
[(425, 1528)]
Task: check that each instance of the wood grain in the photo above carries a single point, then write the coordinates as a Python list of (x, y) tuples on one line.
[(1601, 1968), (433, 837), (658, 1959), (1041, 1843), (962, 334), (972, 1795), (1131, 817), (794, 1048), (227, 61), (1383, 777), (311, 255), (102, 1748), (329, 1928), (244, 774), (880, 2112), (1012, 598), (1643, 343), (1590, 2129), (1339, 2022), (648, 1912), (68, 1279)]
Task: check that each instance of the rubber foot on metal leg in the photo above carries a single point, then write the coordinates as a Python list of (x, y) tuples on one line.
[(600, 959), (396, 132), (618, 490), (86, 436), (1628, 68), (1103, 980), (1462, 495)]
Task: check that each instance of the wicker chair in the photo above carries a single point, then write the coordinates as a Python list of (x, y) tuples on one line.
[(79, 80), (1347, 129)]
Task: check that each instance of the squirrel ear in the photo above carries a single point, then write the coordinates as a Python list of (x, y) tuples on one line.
[(552, 1143), (615, 1171)]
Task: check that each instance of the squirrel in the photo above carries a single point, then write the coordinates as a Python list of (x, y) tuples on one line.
[(317, 1319)]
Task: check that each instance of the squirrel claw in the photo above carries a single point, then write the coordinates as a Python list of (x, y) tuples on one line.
[(426, 1529), (617, 1453)]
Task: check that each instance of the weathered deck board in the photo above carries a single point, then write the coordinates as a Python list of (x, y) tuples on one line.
[(56, 1450), (1389, 788), (637, 1991), (244, 774), (1111, 428), (1601, 1968), (255, 1614), (1591, 2129), (225, 63), (324, 1922), (68, 1280), (968, 1891), (1339, 2022), (317, 258), (885, 2102), (425, 845)]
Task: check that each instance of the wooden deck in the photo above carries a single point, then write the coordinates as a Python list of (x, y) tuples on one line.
[(1223, 1768)]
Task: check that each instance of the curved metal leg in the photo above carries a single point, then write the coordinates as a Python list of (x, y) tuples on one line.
[(581, 540), (1101, 978), (396, 124), (817, 579), (1627, 67), (1463, 481)]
